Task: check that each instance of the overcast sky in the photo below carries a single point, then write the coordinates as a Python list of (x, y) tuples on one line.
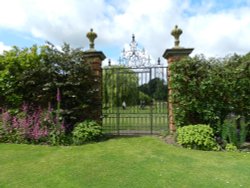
[(213, 27)]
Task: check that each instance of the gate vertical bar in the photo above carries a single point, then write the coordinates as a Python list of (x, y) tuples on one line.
[(151, 106), (117, 104)]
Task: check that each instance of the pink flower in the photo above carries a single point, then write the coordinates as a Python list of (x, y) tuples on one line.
[(6, 118), (15, 123), (25, 108)]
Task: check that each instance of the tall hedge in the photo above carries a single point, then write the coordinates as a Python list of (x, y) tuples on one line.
[(206, 91), (34, 75)]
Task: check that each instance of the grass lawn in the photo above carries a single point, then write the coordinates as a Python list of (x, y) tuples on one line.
[(122, 162)]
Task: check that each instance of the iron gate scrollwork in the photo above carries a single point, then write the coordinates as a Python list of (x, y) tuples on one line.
[(134, 97)]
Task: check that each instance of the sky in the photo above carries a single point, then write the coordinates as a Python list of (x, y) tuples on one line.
[(215, 28)]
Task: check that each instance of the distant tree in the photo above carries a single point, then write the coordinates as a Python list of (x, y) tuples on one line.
[(155, 88), (120, 84)]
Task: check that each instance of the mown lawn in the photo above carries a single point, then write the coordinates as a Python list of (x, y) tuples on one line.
[(124, 162)]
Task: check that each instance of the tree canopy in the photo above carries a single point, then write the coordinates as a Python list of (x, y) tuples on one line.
[(155, 88)]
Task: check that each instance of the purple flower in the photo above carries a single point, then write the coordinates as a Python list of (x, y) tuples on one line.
[(63, 126), (6, 118), (25, 108), (15, 123)]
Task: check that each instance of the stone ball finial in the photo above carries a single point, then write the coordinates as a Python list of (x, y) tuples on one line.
[(91, 36), (176, 32)]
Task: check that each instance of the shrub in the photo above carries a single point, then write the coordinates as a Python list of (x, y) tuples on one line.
[(197, 137), (86, 131), (234, 131), (231, 147)]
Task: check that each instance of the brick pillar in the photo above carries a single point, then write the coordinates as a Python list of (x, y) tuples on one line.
[(95, 58), (173, 55)]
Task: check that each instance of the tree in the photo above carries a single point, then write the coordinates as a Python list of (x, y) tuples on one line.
[(13, 65), (120, 84), (155, 88)]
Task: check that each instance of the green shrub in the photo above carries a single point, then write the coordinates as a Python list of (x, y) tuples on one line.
[(86, 131), (197, 137), (2, 133), (231, 147), (234, 131)]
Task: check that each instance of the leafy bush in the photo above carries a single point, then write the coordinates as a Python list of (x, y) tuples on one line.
[(197, 137), (234, 131), (86, 131), (231, 147)]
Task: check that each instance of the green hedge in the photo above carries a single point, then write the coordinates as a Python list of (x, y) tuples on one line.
[(33, 75), (207, 91)]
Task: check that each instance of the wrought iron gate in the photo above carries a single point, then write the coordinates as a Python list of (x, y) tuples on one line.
[(134, 100), (134, 94)]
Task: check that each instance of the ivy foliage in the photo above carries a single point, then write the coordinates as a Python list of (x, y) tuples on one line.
[(206, 91), (33, 75)]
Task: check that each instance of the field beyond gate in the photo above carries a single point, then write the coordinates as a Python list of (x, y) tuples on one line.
[(134, 100)]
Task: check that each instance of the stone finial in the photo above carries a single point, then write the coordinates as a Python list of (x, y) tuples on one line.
[(176, 32), (91, 36)]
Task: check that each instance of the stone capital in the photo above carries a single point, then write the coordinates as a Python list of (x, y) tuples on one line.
[(96, 55), (177, 52)]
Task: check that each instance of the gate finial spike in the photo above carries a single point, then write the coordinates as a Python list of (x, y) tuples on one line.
[(159, 61), (133, 38)]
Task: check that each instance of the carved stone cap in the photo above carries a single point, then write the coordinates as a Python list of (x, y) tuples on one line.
[(91, 36), (94, 54), (176, 32), (177, 52)]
